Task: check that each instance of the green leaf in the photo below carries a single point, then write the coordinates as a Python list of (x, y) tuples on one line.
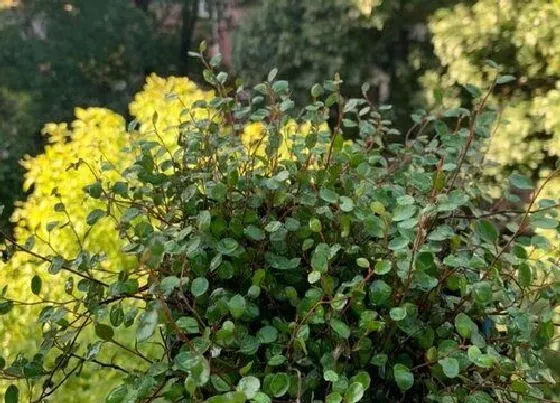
[(450, 367), (362, 262), (249, 345), (328, 195), (5, 307), (147, 323), (292, 224), (51, 225), (474, 353), (486, 230), (479, 359), (105, 332), (249, 385), (215, 262), (117, 395), (404, 212), (464, 325), (333, 397), (398, 243), (237, 306), (272, 75), (398, 313), (354, 393), (505, 79), (363, 378), (552, 360), (346, 204), (379, 292), (315, 225), (116, 315), (320, 257), (95, 216), (219, 383), (282, 175), (204, 220), (479, 397), (403, 377), (456, 112), (330, 376), (227, 246), (187, 360), (379, 359), (12, 394), (255, 233), (273, 226), (340, 328), (169, 283), (200, 374), (382, 267), (267, 334), (520, 182), (218, 192), (235, 397), (280, 86), (473, 90), (94, 190), (316, 90), (277, 359), (36, 284), (543, 223), (276, 384), (188, 324), (421, 181), (483, 292), (199, 286)]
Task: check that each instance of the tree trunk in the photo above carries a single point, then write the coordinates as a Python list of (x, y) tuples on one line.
[(142, 4), (190, 8)]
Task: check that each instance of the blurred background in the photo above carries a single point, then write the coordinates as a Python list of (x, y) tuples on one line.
[(56, 55)]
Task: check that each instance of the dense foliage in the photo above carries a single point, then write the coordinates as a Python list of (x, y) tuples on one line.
[(384, 42), (56, 55), (330, 271), (520, 36), (75, 155)]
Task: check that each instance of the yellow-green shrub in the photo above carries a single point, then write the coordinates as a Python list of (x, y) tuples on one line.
[(91, 148)]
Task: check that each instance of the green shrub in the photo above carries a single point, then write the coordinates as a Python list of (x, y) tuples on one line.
[(337, 272)]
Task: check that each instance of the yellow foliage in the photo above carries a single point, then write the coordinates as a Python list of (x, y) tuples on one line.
[(89, 149), (163, 102)]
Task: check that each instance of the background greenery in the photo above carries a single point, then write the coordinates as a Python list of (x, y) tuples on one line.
[(57, 55)]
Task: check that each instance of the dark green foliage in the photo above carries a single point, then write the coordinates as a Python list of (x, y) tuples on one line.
[(364, 271), (385, 42), (56, 55)]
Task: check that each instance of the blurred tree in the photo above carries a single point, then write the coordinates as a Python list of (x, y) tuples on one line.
[(57, 54), (385, 42), (521, 36)]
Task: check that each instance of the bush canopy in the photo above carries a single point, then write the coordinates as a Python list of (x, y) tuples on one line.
[(297, 266)]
